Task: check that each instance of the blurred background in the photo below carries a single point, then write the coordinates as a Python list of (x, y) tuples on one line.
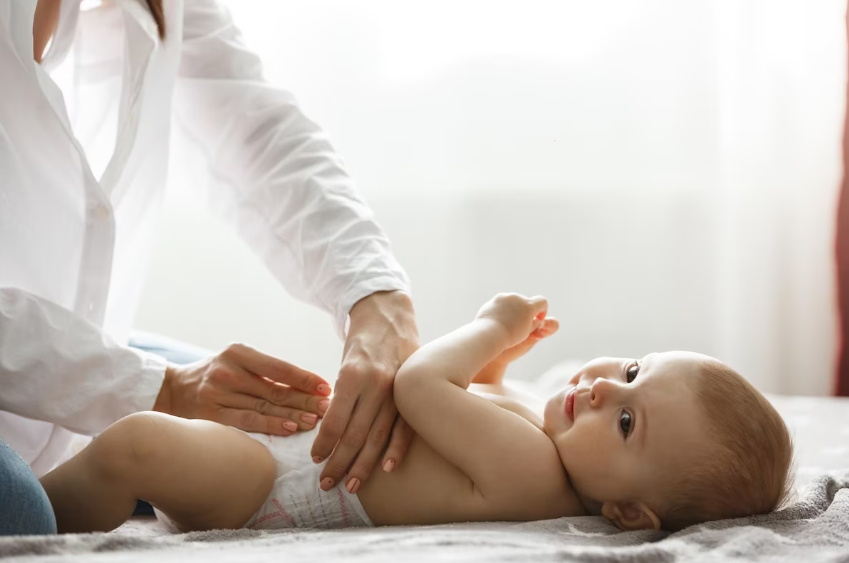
[(665, 172)]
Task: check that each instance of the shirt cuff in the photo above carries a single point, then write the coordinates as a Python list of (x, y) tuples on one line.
[(151, 374), (383, 283)]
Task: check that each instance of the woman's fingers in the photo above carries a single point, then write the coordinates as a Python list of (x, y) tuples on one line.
[(262, 391), (366, 459), (252, 421), (276, 370), (232, 388), (399, 444), (302, 418), (335, 422), (354, 437)]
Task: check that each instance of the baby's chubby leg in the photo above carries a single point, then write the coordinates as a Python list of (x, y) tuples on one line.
[(202, 474)]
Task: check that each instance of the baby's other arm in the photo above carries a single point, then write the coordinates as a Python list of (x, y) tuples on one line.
[(491, 445)]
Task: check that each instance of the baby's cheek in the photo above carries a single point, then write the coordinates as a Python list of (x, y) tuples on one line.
[(585, 454)]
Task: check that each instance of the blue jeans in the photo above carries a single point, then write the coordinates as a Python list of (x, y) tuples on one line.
[(24, 506)]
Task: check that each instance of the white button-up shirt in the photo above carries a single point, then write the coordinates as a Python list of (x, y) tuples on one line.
[(83, 159)]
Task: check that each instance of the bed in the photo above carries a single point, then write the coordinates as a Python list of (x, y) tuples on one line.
[(813, 528)]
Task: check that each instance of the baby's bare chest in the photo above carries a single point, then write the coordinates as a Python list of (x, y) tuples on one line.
[(427, 489)]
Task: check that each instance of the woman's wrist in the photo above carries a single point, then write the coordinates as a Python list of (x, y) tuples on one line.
[(163, 400), (394, 308)]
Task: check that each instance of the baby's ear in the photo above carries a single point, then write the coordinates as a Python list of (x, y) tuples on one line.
[(631, 515)]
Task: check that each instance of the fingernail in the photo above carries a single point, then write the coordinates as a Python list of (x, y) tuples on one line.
[(324, 389), (289, 425), (389, 465), (323, 404), (316, 459), (309, 418), (353, 485), (326, 484)]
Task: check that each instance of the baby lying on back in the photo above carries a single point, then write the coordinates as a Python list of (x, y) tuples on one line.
[(665, 441)]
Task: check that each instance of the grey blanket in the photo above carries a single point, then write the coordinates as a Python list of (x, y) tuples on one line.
[(813, 529)]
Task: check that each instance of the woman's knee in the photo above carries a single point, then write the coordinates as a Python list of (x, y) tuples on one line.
[(24, 506)]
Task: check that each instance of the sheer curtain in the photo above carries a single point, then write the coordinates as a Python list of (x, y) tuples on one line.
[(782, 91), (665, 172)]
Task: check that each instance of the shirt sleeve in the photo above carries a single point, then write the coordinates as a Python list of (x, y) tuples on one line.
[(57, 367), (277, 177)]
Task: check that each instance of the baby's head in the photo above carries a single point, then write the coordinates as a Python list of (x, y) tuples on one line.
[(671, 440)]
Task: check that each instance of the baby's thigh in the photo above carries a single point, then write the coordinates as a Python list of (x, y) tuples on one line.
[(203, 475)]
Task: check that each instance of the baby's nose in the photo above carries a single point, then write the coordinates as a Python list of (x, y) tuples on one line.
[(600, 390)]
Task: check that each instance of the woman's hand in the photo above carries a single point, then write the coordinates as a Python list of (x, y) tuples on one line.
[(245, 388), (362, 422)]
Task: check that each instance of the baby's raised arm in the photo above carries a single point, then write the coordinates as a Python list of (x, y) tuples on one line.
[(493, 372), (490, 444)]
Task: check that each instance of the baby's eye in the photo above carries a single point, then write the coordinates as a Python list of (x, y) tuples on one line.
[(625, 423), (632, 371)]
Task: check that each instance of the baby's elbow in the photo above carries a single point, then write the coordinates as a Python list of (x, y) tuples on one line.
[(399, 387), (406, 381)]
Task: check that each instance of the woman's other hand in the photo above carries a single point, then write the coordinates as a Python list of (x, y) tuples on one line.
[(247, 389)]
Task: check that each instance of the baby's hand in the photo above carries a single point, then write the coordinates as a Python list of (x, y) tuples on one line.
[(518, 315), (549, 327)]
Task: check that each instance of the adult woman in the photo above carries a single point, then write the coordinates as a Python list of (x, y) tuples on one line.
[(82, 168)]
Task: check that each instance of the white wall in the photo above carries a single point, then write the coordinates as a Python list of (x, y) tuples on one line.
[(571, 149)]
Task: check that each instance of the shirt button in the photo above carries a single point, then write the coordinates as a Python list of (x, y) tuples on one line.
[(101, 211)]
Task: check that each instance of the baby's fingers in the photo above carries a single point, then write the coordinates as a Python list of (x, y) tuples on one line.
[(549, 326), (539, 305)]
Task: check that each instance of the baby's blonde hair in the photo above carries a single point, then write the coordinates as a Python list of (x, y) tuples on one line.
[(745, 467)]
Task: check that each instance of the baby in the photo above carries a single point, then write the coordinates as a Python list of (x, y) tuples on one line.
[(667, 441)]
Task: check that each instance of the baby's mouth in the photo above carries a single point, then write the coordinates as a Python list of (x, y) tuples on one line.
[(569, 404)]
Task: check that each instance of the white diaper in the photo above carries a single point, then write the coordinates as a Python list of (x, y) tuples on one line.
[(296, 501)]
